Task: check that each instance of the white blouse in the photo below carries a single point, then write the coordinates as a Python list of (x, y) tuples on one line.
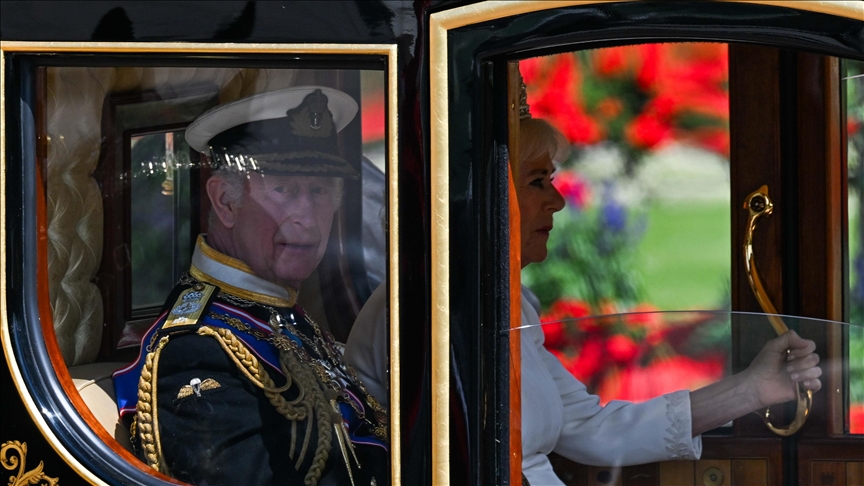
[(558, 413)]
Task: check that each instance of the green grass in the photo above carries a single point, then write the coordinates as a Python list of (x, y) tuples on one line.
[(685, 255)]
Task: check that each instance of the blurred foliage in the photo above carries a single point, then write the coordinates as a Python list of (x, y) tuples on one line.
[(855, 131), (592, 251), (637, 97)]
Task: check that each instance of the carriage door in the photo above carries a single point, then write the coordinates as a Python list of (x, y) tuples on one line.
[(645, 289)]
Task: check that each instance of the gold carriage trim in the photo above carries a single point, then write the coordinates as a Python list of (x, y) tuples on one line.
[(22, 478)]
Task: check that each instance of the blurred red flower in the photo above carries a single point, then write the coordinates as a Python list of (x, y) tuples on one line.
[(589, 360), (662, 376), (558, 100), (372, 117), (530, 69), (644, 315), (610, 62), (646, 131), (666, 91), (852, 125), (621, 348), (575, 190), (646, 74), (554, 335), (856, 418), (714, 139)]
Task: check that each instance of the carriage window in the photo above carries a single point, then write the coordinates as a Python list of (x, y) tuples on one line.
[(629, 286), (159, 179), (645, 223), (242, 211), (854, 80)]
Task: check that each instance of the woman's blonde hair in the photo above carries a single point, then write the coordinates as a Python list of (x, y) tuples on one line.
[(537, 138)]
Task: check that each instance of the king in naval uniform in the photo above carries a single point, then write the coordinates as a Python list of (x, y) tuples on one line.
[(235, 383)]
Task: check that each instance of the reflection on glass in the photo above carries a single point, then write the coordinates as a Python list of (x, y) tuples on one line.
[(223, 248), (160, 216), (374, 176), (640, 355), (855, 130)]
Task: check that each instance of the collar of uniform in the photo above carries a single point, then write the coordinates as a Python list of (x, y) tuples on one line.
[(235, 277)]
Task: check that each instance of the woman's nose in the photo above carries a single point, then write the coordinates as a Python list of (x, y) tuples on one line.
[(556, 200)]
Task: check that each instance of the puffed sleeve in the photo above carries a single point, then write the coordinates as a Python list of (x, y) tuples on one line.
[(621, 433), (366, 349)]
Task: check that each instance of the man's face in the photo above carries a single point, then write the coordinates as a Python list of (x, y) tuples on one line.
[(282, 225)]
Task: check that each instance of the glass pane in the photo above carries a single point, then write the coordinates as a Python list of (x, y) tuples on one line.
[(854, 81), (651, 359), (638, 139), (160, 190), (646, 224), (207, 227)]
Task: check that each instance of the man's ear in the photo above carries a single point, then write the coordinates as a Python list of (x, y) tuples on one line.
[(220, 203)]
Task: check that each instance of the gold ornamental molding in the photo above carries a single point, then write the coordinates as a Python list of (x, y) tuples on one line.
[(389, 51), (440, 24), (18, 464)]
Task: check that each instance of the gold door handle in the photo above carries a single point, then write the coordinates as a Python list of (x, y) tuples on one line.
[(758, 203)]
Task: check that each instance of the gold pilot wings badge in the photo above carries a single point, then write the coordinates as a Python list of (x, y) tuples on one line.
[(189, 306)]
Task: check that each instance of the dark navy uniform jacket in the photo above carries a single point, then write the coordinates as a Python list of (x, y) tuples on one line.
[(215, 425)]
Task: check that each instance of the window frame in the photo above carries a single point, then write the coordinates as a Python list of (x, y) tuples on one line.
[(464, 42), (37, 368)]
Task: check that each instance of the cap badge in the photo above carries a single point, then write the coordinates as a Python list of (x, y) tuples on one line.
[(312, 118)]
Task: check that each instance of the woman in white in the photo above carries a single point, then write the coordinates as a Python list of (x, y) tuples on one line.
[(558, 414)]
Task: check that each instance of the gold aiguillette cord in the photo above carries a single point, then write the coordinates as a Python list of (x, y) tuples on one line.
[(344, 439)]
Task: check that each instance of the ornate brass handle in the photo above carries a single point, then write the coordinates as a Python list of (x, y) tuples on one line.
[(758, 203)]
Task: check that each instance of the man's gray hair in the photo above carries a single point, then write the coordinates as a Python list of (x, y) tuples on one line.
[(235, 188)]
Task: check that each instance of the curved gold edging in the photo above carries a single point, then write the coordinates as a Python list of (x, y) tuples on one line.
[(439, 25), (5, 338), (393, 274), (23, 477), (758, 203), (387, 50), (439, 189), (852, 10)]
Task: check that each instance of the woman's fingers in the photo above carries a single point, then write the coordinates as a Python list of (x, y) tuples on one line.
[(798, 347), (798, 364), (813, 385), (806, 374)]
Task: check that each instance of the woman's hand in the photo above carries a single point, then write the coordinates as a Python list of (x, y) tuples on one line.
[(774, 373), (771, 378)]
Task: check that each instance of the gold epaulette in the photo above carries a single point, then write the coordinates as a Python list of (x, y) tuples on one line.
[(190, 306)]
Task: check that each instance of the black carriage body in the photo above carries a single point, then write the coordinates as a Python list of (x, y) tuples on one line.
[(478, 280)]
